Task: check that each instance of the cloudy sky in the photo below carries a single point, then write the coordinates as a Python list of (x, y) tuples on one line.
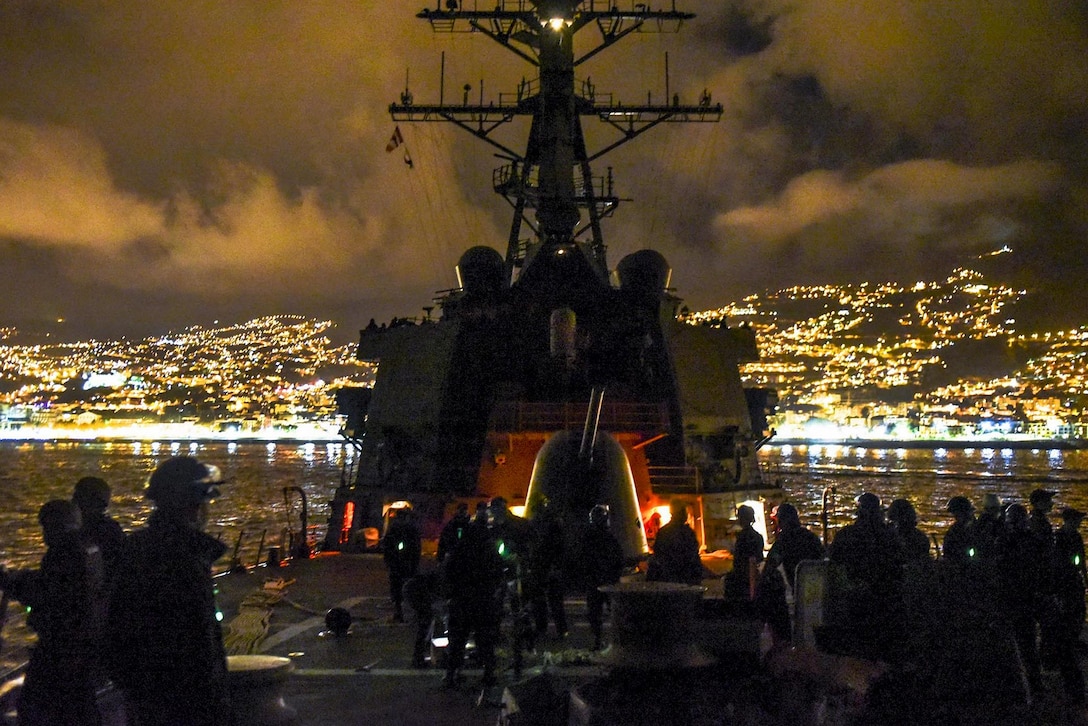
[(173, 162)]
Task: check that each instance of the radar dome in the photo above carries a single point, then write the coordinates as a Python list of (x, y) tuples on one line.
[(644, 271), (480, 269)]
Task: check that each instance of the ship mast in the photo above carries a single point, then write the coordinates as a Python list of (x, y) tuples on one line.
[(550, 186)]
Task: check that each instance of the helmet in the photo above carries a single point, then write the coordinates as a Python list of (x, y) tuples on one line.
[(599, 515), (1041, 496), (786, 513), (868, 502), (957, 505), (1016, 516), (91, 492), (902, 513), (183, 480), (1069, 514), (58, 515)]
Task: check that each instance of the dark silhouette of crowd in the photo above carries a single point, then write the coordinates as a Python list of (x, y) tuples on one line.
[(473, 576), (1001, 599), (138, 610), (497, 563)]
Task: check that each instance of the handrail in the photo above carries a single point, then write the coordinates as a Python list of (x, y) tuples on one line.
[(515, 416)]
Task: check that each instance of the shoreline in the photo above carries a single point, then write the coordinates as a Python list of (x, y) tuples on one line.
[(933, 444), (317, 434), (159, 433)]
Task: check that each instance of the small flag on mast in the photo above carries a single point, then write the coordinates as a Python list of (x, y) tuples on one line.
[(395, 141)]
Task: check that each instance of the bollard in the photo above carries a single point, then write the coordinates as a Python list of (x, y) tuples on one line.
[(256, 690), (653, 626)]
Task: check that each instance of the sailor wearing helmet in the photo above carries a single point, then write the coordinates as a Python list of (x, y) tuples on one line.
[(959, 542), (1042, 503), (870, 556), (165, 644)]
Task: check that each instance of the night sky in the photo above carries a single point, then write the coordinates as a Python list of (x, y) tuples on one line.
[(168, 163)]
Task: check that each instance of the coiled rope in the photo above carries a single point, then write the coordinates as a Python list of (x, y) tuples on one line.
[(248, 629)]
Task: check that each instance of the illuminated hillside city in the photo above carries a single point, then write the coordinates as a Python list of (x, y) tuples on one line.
[(273, 377), (849, 362), (871, 362)]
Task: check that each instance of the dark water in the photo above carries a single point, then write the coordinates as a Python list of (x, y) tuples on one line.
[(252, 501), (928, 478)]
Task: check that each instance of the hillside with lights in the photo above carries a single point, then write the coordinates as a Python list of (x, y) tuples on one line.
[(940, 359), (933, 359)]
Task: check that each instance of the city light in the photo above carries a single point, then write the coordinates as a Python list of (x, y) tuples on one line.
[(849, 363)]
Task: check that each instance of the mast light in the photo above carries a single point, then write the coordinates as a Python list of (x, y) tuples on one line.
[(556, 14)]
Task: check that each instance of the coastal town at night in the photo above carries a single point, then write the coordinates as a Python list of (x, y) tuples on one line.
[(938, 360)]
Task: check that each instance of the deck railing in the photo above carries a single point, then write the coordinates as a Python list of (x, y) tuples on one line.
[(516, 416), (675, 480)]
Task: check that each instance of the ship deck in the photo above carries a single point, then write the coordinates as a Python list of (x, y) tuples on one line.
[(366, 676)]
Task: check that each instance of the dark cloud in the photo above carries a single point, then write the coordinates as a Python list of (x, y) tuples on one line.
[(172, 162)]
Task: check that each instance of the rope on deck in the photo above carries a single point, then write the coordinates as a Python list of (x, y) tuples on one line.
[(248, 629)]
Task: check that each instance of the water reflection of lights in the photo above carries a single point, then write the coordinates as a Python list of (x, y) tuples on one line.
[(136, 447), (1055, 455), (900, 453), (786, 450), (193, 447), (174, 447), (940, 453), (987, 454), (155, 446), (150, 432), (1006, 453), (232, 447), (307, 451)]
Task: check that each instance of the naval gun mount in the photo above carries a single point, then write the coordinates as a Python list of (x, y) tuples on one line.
[(464, 405)]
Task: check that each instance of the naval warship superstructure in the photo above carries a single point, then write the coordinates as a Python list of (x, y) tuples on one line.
[(545, 376)]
